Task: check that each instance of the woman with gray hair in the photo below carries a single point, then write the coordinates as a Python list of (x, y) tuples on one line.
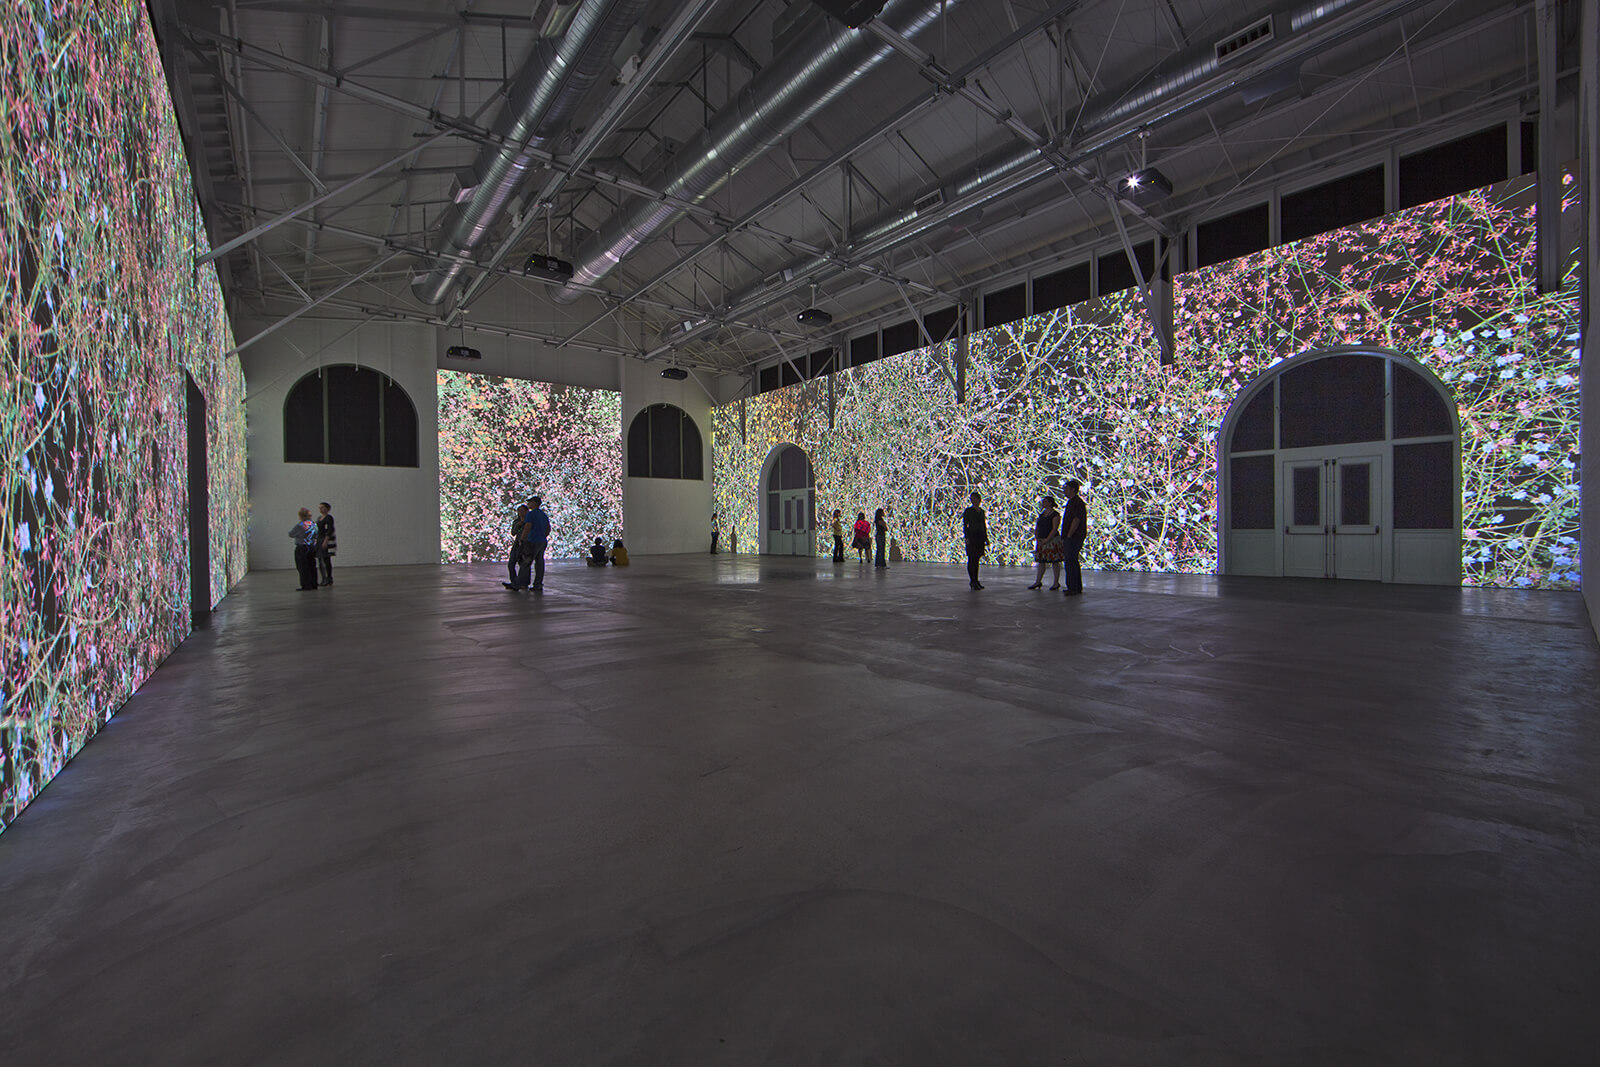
[(304, 534)]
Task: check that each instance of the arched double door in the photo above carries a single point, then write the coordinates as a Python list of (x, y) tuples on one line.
[(789, 517), (1343, 464)]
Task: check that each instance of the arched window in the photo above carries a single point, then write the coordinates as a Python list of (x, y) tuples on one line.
[(348, 414), (664, 442)]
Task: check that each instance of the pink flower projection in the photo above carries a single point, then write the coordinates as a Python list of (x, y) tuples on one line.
[(1082, 393), (504, 439), (103, 315)]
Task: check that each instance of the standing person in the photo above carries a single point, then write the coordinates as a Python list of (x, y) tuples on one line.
[(975, 535), (714, 532), (516, 547), (304, 534), (862, 541), (327, 543), (535, 539), (880, 526), (1047, 547), (1074, 530), (838, 536)]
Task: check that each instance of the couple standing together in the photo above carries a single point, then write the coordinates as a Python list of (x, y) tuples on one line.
[(530, 536), (1057, 538)]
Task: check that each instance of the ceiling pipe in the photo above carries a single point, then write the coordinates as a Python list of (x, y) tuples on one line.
[(1015, 169), (1191, 68), (548, 89), (806, 77)]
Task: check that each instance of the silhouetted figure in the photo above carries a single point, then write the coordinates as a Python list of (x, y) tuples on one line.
[(597, 553), (304, 534), (975, 536), (1047, 547), (714, 533), (1074, 531), (880, 526), (327, 543), (515, 555)]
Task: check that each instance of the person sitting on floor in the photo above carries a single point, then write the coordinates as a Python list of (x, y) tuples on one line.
[(619, 555), (597, 554)]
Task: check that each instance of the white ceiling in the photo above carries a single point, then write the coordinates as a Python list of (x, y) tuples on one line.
[(356, 117)]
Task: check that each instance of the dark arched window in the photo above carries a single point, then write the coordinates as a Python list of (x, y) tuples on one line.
[(664, 442), (348, 414)]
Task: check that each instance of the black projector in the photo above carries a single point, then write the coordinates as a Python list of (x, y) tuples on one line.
[(549, 268), (677, 374), (1145, 186), (814, 317), (462, 352)]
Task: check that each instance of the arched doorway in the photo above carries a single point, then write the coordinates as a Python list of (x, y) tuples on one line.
[(1344, 463), (789, 514)]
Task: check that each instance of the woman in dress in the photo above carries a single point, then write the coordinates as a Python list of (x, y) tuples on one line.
[(880, 526), (1047, 547), (863, 536)]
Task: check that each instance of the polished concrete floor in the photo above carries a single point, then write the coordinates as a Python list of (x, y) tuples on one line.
[(741, 811)]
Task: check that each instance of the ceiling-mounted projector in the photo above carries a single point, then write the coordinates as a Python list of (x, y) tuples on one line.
[(1144, 186), (677, 374), (549, 268), (462, 352), (814, 317)]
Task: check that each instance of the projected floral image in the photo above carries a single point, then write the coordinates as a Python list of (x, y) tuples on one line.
[(104, 313), (1082, 392), (503, 439)]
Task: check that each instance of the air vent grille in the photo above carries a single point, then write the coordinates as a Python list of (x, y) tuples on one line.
[(1247, 39)]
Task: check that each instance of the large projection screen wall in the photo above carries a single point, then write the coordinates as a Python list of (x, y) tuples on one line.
[(104, 315), (502, 440), (1082, 393)]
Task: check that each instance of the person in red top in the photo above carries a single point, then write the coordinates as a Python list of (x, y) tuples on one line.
[(1074, 528), (863, 539)]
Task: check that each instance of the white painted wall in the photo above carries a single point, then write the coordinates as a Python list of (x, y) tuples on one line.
[(663, 515), (385, 514), (391, 515)]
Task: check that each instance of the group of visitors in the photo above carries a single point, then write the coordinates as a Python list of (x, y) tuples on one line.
[(863, 535), (599, 557), (1058, 536), (314, 547)]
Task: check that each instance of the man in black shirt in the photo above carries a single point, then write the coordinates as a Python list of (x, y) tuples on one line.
[(975, 532), (1074, 528)]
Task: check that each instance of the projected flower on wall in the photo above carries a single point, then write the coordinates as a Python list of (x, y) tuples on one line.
[(103, 313), (503, 439), (1082, 392)]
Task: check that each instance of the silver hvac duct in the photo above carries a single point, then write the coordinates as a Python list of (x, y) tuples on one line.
[(1188, 69), (1014, 169), (805, 78), (552, 83)]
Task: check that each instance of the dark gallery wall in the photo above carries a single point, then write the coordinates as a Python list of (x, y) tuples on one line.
[(105, 321), (1083, 392)]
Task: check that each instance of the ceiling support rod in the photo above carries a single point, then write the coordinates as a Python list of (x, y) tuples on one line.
[(1157, 320), (1547, 223), (311, 305)]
